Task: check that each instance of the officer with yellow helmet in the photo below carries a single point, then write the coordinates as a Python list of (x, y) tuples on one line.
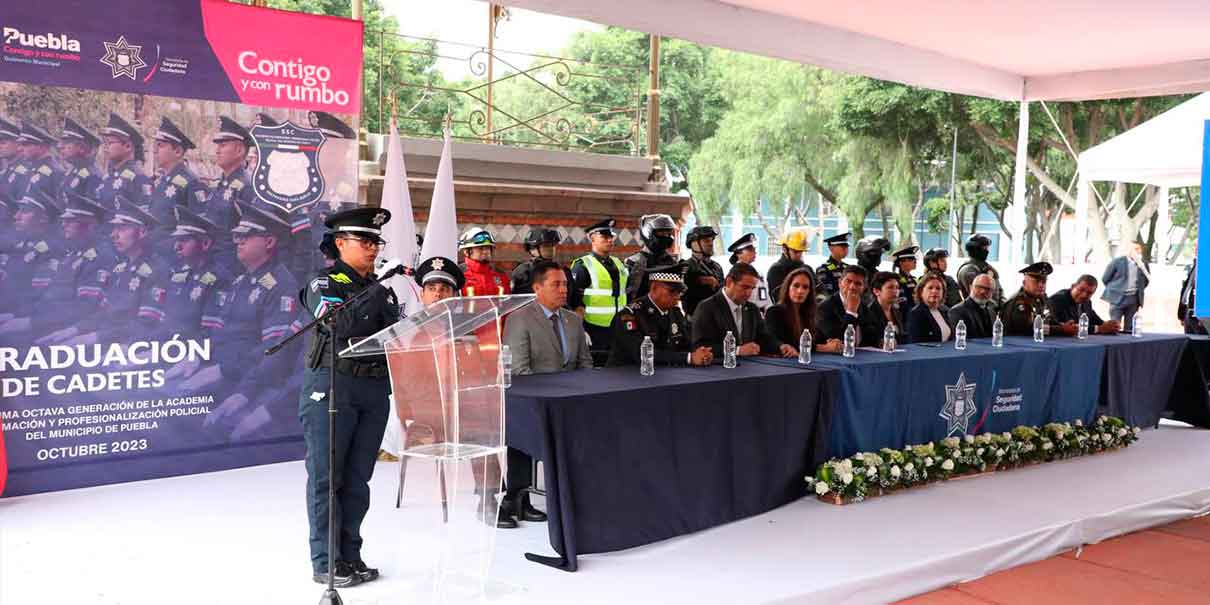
[(793, 245)]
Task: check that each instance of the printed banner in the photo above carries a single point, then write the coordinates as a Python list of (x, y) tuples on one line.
[(1202, 303), (164, 177)]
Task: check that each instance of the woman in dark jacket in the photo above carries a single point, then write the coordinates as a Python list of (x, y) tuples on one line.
[(884, 309), (928, 320), (795, 311)]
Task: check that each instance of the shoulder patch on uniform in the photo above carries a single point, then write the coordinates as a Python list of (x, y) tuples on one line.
[(127, 174), (319, 283), (341, 278), (236, 185), (20, 169), (179, 277), (200, 194), (208, 278), (83, 173), (180, 181), (144, 270), (45, 170), (267, 281)]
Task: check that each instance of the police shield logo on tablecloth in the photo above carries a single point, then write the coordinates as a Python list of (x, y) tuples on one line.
[(959, 407), (288, 174)]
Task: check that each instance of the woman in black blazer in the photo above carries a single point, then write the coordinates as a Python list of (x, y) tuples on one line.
[(795, 312), (928, 320), (882, 310)]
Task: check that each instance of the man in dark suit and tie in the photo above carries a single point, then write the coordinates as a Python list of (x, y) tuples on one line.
[(844, 309), (978, 310), (1125, 279), (728, 310), (544, 337), (1069, 304)]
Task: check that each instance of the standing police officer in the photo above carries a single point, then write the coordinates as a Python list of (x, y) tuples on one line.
[(231, 144), (869, 256), (656, 232), (793, 246), (541, 244), (657, 316), (598, 285), (936, 260), (362, 390), (176, 186), (904, 264), (703, 277), (832, 271), (78, 149), (124, 156), (978, 246), (743, 250)]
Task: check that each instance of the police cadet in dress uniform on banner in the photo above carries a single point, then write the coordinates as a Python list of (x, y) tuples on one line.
[(703, 276), (362, 390), (541, 244), (230, 153), (936, 260), (39, 242), (176, 186), (743, 250), (45, 172), (656, 233), (978, 246), (12, 167), (598, 286), (904, 264), (195, 283), (830, 273), (1030, 301), (54, 303), (124, 156), (657, 316), (78, 150)]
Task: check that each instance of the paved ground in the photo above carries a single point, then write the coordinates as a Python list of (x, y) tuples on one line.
[(1168, 564)]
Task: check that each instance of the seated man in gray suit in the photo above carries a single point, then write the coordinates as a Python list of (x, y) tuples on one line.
[(544, 337)]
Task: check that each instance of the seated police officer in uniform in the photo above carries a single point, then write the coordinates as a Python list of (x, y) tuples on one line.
[(729, 310), (978, 311), (362, 389), (1030, 301), (843, 309), (657, 316), (1069, 304)]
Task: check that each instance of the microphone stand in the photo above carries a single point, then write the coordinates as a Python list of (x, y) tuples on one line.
[(328, 319)]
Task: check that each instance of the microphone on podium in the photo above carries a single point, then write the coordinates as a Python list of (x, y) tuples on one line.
[(390, 267)]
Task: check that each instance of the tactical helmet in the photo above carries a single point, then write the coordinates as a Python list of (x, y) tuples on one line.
[(650, 223), (700, 232), (935, 253), (977, 247), (869, 250), (539, 236)]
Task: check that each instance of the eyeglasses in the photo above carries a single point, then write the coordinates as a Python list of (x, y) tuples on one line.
[(366, 243)]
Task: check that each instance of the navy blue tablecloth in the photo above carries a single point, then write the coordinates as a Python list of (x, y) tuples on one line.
[(1189, 400), (629, 460), (910, 396)]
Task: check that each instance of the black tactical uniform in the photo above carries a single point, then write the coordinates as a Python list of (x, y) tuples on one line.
[(700, 268), (977, 248), (869, 256), (522, 278), (655, 231)]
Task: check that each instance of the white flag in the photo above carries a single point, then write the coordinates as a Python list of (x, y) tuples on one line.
[(441, 232), (400, 232)]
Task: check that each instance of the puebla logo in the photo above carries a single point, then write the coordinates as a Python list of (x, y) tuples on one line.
[(48, 41), (287, 174)]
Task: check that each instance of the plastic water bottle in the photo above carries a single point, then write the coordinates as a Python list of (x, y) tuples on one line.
[(647, 355), (1135, 329), (998, 333), (960, 335), (506, 366), (804, 347), (1083, 331), (729, 350), (1039, 330), (888, 339), (850, 341)]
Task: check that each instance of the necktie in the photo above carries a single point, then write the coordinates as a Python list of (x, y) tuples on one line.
[(739, 323), (554, 321)]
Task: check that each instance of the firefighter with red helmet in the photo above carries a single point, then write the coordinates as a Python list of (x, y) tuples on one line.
[(482, 279)]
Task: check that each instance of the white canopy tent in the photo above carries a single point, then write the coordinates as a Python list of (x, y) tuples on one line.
[(1165, 151), (1019, 51)]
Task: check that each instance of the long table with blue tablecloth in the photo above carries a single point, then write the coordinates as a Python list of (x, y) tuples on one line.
[(630, 460)]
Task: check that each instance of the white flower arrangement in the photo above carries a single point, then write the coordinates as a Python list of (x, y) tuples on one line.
[(948, 465)]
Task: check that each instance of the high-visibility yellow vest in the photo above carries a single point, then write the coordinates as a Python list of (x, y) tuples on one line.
[(600, 304)]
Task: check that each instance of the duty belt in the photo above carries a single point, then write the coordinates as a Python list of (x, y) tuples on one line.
[(361, 369)]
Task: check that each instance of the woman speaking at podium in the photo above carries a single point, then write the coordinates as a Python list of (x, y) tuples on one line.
[(362, 387)]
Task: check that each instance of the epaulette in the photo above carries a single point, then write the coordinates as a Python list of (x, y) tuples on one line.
[(41, 246), (236, 185), (45, 170), (83, 173), (208, 278), (126, 174), (180, 181), (144, 270), (267, 281)]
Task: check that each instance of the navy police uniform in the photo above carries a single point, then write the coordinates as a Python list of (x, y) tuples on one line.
[(191, 304), (832, 271), (668, 329), (32, 253), (178, 187), (131, 290), (126, 179), (362, 390), (60, 303), (82, 177), (761, 297), (907, 281)]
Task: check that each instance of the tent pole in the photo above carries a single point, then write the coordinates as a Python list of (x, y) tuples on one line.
[(1083, 201), (955, 230), (1018, 208), (1163, 228)]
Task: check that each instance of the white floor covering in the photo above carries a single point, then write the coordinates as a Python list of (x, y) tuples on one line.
[(240, 537)]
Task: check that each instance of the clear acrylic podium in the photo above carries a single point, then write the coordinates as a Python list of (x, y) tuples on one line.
[(447, 384)]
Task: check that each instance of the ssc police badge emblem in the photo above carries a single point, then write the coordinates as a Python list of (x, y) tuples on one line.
[(287, 174)]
